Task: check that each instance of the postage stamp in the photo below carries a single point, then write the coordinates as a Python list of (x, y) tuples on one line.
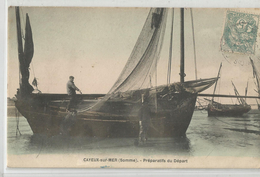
[(240, 33)]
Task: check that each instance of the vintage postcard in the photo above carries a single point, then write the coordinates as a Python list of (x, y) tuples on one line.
[(92, 87)]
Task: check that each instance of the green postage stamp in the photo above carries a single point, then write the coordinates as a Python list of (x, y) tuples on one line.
[(240, 33)]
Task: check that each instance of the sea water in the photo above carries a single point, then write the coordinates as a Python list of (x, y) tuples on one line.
[(206, 136)]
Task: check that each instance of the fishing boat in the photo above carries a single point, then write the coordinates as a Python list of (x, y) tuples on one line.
[(114, 114), (256, 76), (231, 110), (218, 109)]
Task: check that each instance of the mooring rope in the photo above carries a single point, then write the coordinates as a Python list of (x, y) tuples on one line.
[(201, 111), (42, 142), (225, 122), (17, 122)]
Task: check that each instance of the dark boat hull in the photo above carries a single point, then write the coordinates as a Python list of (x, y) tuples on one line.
[(227, 110), (171, 119)]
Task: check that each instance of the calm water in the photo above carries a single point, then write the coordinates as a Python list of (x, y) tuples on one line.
[(206, 136)]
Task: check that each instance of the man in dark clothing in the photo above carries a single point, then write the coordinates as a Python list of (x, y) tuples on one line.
[(144, 119), (71, 90)]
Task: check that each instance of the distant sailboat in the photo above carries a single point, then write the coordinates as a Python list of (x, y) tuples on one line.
[(218, 109), (257, 80), (115, 114)]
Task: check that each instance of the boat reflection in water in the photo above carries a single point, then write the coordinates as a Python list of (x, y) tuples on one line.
[(214, 136), (63, 144)]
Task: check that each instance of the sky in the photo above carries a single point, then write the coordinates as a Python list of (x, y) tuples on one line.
[(93, 45)]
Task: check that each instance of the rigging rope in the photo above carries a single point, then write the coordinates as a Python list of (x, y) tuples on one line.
[(34, 75), (194, 48), (151, 85), (225, 57), (155, 100), (231, 99), (203, 112), (170, 52), (33, 69)]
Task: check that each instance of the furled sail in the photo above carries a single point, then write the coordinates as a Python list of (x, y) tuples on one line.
[(25, 56), (28, 44)]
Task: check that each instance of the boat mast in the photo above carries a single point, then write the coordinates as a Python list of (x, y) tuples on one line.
[(246, 89), (255, 75), (182, 74), (216, 83), (19, 39)]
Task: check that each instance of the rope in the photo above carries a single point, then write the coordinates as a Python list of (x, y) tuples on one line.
[(17, 122), (194, 48), (231, 99), (88, 108), (43, 141), (170, 52), (34, 75), (155, 100), (33, 69), (225, 122), (225, 58), (151, 85), (201, 111)]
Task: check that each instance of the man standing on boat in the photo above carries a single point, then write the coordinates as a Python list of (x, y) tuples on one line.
[(71, 90), (144, 118)]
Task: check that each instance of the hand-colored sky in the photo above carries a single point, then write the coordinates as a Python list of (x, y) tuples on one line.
[(93, 44)]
